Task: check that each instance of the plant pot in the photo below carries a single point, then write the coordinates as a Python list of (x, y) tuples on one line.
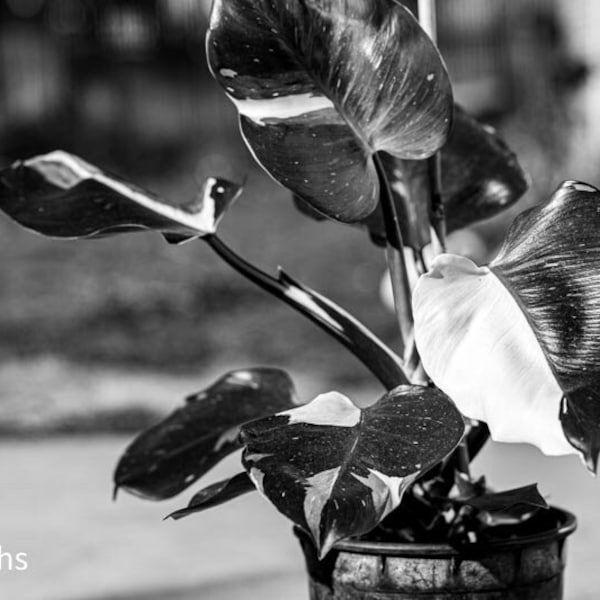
[(529, 567)]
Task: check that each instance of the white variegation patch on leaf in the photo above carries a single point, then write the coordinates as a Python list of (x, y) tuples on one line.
[(337, 470), (60, 195), (322, 85), (167, 458), (518, 344)]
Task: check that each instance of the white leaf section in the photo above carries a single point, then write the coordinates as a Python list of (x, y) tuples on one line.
[(386, 491), (284, 107), (331, 409), (226, 438), (299, 296), (318, 493), (66, 170), (478, 347), (257, 477)]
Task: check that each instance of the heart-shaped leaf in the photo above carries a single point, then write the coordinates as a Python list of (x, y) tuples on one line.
[(60, 195), (337, 470), (320, 85), (517, 345), (169, 457), (215, 494)]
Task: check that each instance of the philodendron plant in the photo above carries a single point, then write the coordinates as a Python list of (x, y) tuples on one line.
[(347, 104)]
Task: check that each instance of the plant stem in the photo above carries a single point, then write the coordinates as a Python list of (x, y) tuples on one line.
[(395, 258), (338, 323), (428, 18), (479, 433), (436, 204), (428, 22)]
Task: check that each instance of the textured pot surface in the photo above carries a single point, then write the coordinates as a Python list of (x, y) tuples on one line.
[(528, 568)]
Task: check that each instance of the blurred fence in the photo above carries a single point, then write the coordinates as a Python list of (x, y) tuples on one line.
[(134, 70)]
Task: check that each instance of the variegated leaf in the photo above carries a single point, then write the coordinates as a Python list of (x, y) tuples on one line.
[(215, 494), (169, 457), (517, 345), (337, 470), (60, 195), (320, 85), (480, 178)]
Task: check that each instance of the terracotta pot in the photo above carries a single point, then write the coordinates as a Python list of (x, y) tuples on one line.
[(525, 568)]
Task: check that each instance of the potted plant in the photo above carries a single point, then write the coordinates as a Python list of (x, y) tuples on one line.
[(348, 104)]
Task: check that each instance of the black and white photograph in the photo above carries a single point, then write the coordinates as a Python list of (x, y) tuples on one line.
[(299, 299)]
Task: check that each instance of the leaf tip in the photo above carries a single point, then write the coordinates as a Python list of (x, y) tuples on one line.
[(327, 544)]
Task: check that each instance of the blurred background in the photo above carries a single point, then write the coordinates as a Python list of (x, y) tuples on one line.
[(100, 339)]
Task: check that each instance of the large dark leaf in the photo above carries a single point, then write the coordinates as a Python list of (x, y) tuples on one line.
[(215, 494), (322, 84), (60, 195), (169, 457), (336, 470), (518, 345)]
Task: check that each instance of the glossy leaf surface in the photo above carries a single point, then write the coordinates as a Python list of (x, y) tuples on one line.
[(322, 84), (551, 262), (215, 494), (60, 195), (517, 345), (169, 457), (337, 470), (481, 177)]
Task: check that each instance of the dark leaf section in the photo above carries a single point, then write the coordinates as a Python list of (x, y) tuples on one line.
[(336, 470), (169, 457), (321, 85), (215, 494), (509, 502), (550, 262), (62, 196), (480, 178), (580, 419)]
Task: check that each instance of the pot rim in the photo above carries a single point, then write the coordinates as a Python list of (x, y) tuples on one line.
[(566, 528)]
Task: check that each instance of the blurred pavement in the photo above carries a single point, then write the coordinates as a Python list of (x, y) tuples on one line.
[(55, 505)]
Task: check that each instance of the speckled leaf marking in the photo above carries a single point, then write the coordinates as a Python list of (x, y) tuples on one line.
[(518, 344), (551, 263), (60, 195), (337, 470), (322, 84), (167, 458)]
